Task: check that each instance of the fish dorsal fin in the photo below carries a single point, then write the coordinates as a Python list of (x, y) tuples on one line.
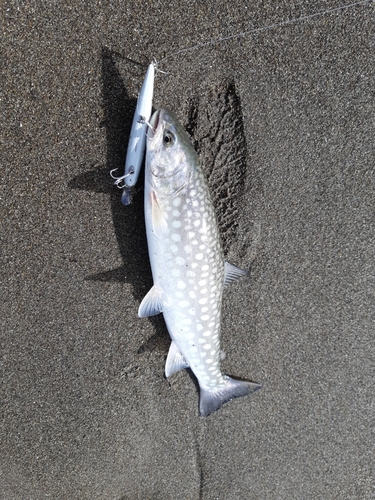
[(175, 361), (232, 273), (159, 224), (151, 304)]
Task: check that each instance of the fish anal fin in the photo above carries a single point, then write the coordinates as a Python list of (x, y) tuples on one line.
[(175, 361), (232, 273), (151, 304), (211, 401)]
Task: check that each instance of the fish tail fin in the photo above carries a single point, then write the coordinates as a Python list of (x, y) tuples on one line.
[(211, 400)]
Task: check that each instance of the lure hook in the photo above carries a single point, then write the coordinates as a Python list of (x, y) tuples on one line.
[(142, 120), (121, 178)]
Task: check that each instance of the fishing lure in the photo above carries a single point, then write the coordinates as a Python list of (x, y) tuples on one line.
[(137, 140)]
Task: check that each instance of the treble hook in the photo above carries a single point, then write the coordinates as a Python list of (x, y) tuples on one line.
[(121, 178), (142, 120)]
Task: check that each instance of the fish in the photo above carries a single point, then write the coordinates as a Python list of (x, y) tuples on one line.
[(187, 261), (137, 139)]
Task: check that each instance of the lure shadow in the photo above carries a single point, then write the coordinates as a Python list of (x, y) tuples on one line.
[(128, 221)]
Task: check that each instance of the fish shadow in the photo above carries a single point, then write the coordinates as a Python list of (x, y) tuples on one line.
[(128, 221)]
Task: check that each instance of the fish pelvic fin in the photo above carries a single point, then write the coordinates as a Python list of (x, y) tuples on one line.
[(175, 361), (232, 273), (151, 304), (212, 400)]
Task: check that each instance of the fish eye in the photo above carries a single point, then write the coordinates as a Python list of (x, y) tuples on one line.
[(168, 139)]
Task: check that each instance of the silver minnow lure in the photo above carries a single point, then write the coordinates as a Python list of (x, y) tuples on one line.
[(137, 139), (187, 261)]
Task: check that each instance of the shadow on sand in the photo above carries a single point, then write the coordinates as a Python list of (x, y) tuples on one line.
[(128, 221)]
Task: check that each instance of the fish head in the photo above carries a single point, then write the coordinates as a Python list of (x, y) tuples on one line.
[(170, 157)]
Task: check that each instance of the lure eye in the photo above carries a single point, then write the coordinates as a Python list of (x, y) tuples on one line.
[(168, 139)]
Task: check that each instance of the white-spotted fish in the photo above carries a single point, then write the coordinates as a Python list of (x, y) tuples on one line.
[(187, 261)]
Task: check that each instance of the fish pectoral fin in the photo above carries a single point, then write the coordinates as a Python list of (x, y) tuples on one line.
[(151, 304), (232, 273), (159, 224), (175, 361), (211, 400)]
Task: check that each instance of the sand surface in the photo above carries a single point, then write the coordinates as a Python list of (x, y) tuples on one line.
[(86, 412)]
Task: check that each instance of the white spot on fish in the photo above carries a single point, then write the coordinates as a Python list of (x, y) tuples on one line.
[(202, 301), (176, 202), (202, 282), (205, 317), (175, 273), (197, 223), (176, 213), (176, 236), (176, 224), (174, 248), (181, 285), (199, 256), (207, 333), (180, 261), (183, 303), (192, 294)]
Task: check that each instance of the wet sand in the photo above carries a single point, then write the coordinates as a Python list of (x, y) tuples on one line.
[(86, 409)]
